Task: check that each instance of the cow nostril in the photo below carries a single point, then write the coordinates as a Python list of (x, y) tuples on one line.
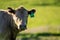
[(23, 27)]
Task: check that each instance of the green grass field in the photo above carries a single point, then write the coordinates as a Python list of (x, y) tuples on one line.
[(47, 14)]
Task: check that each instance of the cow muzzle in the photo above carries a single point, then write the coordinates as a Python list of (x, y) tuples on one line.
[(23, 27)]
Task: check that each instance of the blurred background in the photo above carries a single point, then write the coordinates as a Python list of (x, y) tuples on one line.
[(46, 20)]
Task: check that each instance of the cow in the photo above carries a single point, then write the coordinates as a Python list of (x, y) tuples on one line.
[(13, 21)]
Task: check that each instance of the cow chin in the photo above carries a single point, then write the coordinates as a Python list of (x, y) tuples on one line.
[(23, 27)]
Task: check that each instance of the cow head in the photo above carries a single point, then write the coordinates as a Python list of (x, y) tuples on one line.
[(22, 14)]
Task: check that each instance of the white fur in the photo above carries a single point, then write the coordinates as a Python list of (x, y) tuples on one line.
[(17, 20)]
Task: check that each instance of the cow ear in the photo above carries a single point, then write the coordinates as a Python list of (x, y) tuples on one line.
[(31, 12), (11, 10)]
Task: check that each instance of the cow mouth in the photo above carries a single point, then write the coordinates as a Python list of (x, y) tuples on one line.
[(22, 28)]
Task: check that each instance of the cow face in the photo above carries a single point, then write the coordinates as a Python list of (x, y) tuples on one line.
[(22, 14)]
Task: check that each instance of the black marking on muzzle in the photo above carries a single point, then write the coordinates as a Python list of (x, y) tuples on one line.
[(22, 28)]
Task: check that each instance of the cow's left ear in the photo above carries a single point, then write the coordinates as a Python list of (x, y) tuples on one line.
[(11, 10), (31, 12)]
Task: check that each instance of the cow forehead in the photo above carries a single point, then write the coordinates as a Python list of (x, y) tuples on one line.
[(21, 9)]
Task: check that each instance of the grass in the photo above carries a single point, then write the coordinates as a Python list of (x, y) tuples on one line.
[(39, 36), (46, 15)]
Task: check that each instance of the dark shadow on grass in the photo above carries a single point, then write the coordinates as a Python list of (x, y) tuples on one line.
[(46, 4), (29, 36)]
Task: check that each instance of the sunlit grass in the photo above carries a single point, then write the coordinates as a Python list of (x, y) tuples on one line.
[(48, 15)]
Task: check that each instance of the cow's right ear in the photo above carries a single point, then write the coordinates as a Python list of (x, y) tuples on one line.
[(11, 10)]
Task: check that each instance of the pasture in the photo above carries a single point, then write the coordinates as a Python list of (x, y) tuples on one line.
[(47, 18)]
